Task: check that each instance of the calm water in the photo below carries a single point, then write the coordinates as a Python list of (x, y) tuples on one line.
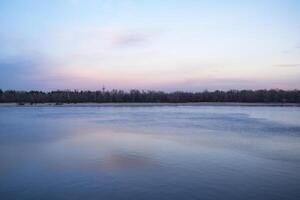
[(184, 152)]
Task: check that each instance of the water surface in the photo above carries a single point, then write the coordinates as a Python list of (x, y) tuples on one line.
[(157, 152)]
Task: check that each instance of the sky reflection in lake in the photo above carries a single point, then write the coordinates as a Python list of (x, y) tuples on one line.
[(192, 152)]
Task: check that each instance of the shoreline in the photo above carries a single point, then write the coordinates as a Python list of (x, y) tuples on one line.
[(149, 104)]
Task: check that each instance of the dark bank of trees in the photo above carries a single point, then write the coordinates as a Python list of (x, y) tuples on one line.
[(118, 96)]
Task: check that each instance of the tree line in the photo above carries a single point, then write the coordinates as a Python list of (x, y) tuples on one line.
[(120, 96)]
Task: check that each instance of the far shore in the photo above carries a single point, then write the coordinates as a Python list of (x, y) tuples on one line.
[(145, 104)]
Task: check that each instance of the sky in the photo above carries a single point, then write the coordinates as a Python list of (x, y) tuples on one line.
[(168, 45)]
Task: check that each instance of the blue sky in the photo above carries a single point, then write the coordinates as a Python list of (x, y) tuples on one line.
[(162, 45)]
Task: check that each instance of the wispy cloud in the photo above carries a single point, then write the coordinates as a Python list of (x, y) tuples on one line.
[(226, 84), (129, 38), (25, 72), (104, 38), (15, 71), (287, 65)]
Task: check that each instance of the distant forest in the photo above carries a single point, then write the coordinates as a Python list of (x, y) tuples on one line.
[(120, 96)]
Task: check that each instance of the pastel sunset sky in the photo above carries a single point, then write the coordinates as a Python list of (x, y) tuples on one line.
[(155, 44)]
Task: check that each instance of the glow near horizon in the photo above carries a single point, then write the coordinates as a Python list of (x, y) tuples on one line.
[(169, 45)]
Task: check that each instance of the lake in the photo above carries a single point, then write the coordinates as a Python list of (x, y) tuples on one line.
[(150, 152)]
